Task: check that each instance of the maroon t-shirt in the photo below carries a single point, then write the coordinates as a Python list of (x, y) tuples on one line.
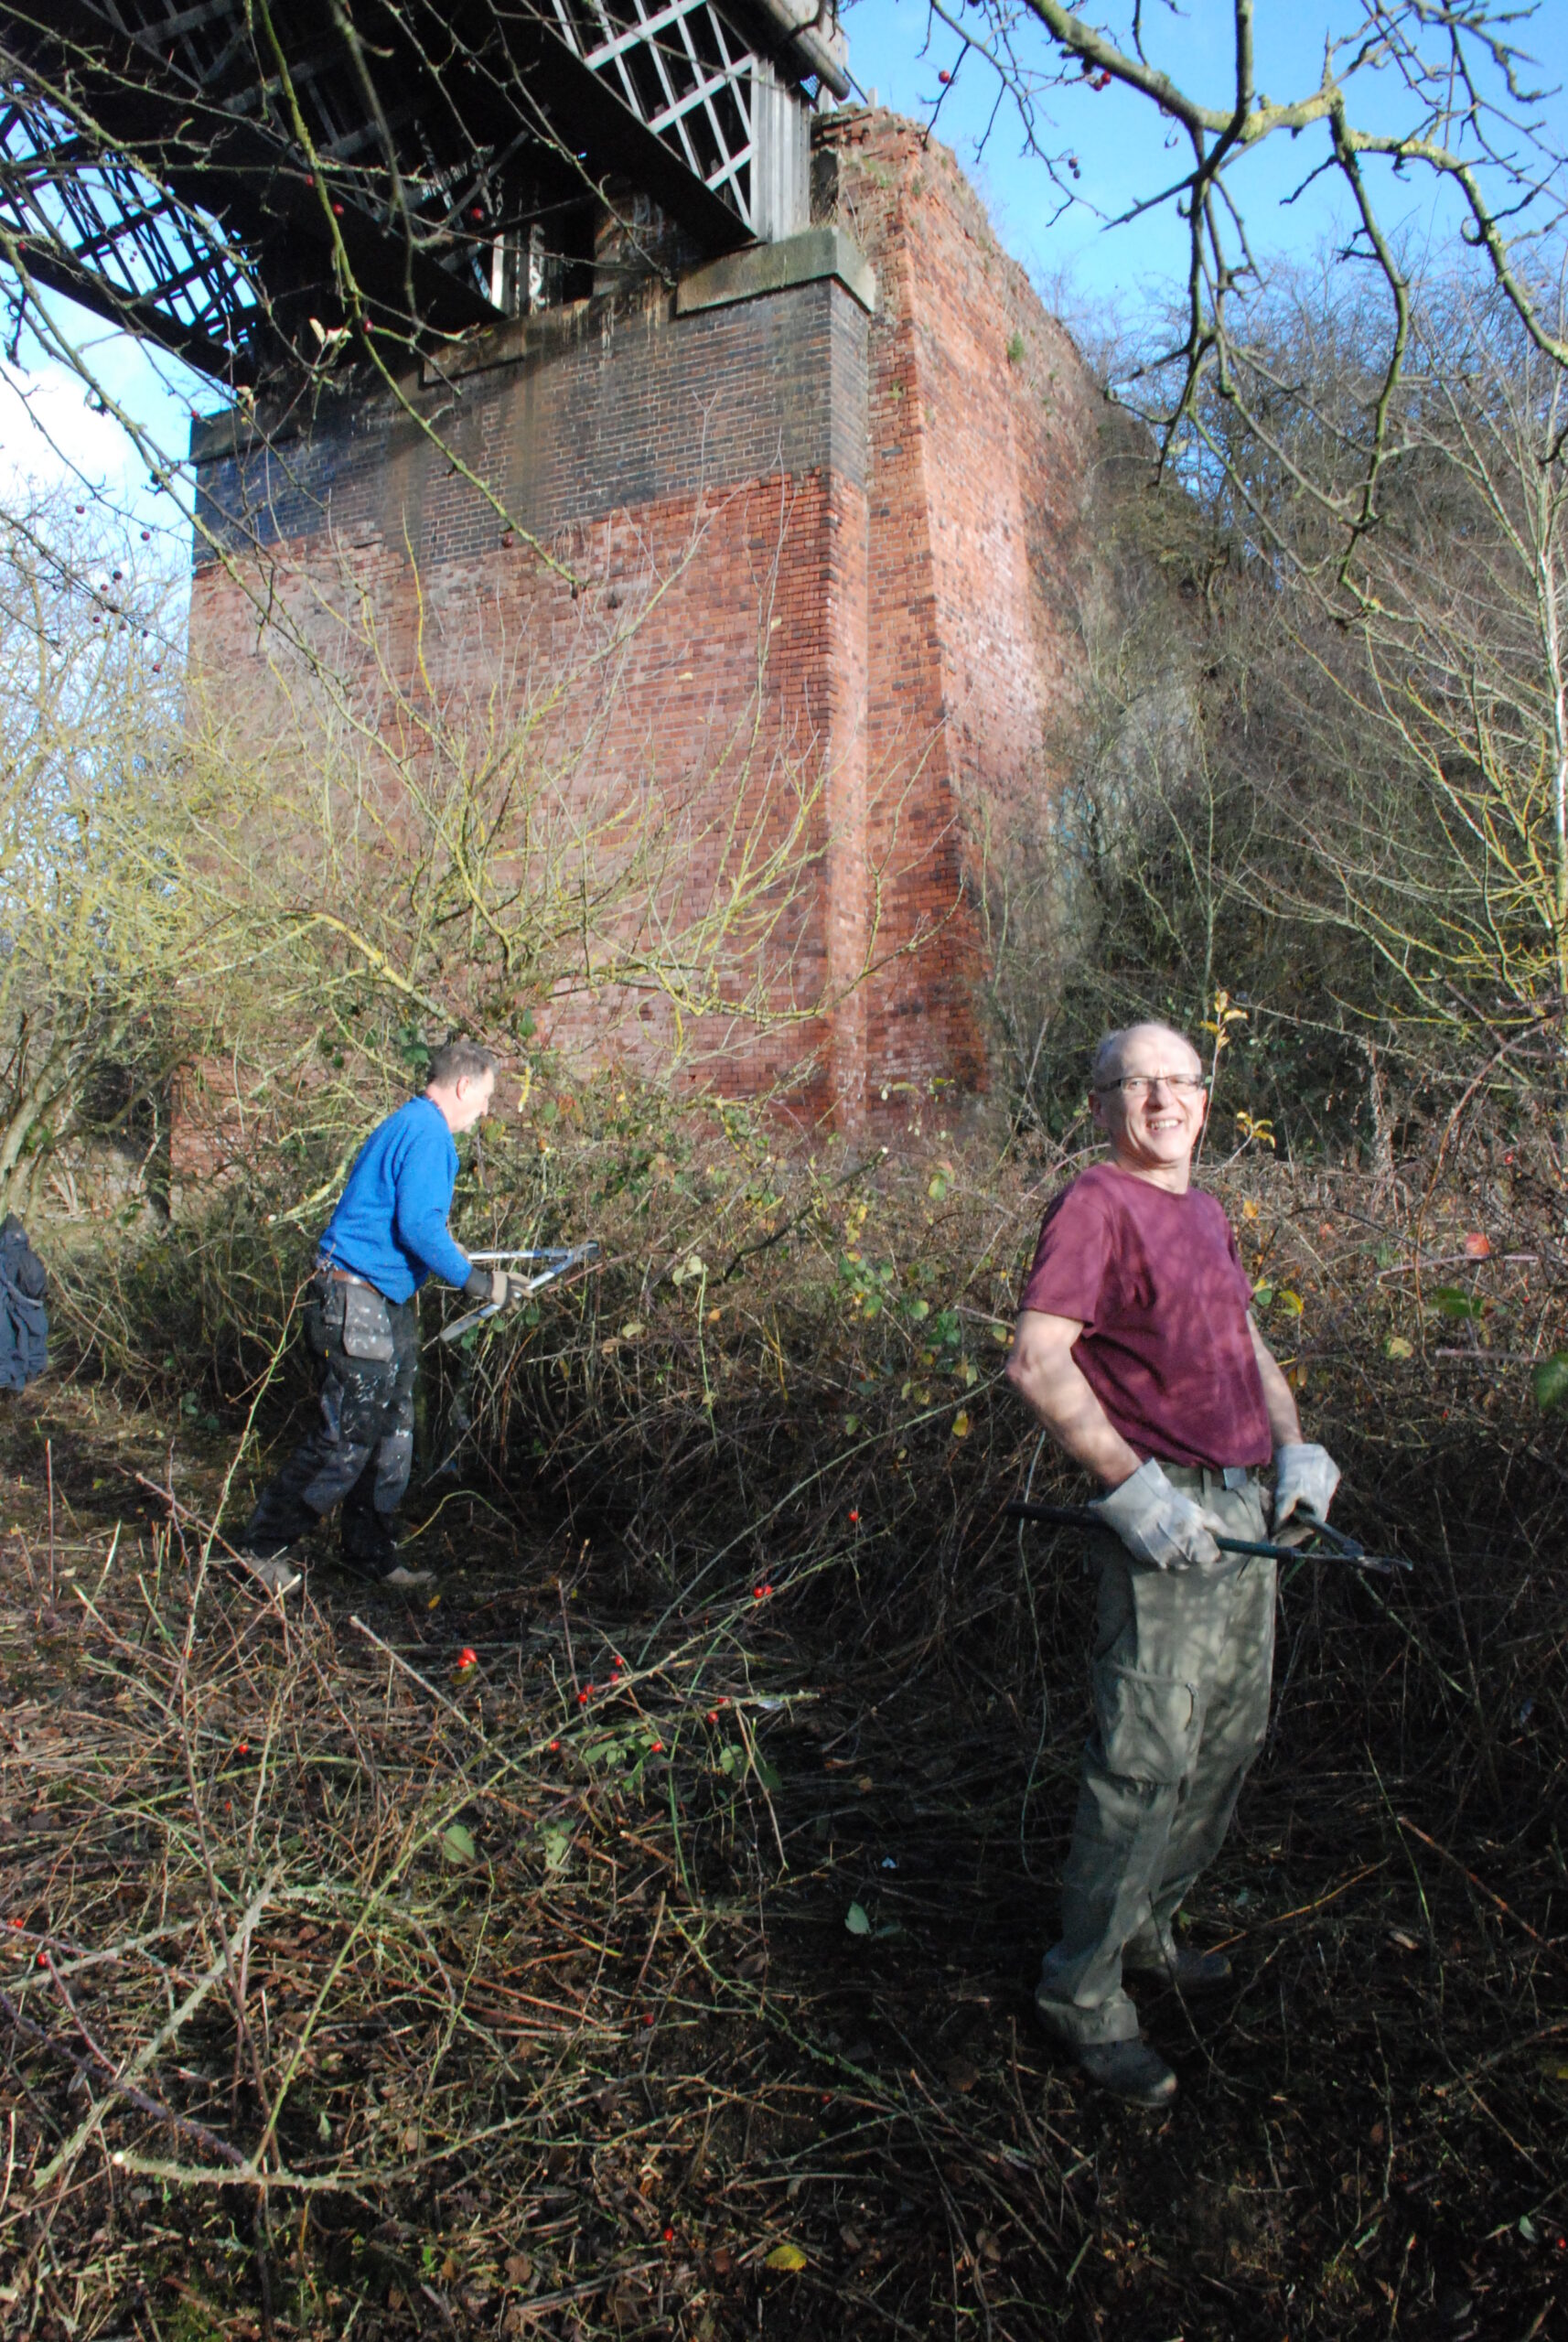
[(1157, 1284)]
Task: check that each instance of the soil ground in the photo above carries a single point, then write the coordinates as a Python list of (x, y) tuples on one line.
[(691, 1997)]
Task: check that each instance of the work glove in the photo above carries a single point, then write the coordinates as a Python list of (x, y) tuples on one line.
[(1306, 1479), (495, 1287), (1157, 1524)]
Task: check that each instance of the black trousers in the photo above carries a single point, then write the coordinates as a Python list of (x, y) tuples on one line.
[(362, 1451)]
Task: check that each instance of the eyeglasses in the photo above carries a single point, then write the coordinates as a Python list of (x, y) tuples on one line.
[(1137, 1085)]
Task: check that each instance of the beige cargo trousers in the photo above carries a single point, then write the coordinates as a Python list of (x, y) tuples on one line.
[(1183, 1661)]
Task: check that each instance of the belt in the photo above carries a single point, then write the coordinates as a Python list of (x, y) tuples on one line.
[(345, 1276), (1209, 1477)]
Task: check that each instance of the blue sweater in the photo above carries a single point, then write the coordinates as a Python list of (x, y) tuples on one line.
[(390, 1226)]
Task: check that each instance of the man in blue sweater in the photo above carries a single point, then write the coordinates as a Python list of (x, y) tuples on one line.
[(387, 1235)]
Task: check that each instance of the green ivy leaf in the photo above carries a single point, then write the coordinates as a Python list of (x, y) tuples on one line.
[(1548, 1380), (1451, 1302), (459, 1846), (856, 1922)]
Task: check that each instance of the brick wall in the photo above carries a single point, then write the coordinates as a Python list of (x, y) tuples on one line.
[(985, 448), (896, 508)]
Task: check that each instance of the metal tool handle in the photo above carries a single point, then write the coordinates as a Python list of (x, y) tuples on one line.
[(1333, 1545), (561, 1263), (556, 1253)]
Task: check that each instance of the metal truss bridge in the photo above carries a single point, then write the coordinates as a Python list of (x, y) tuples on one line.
[(253, 183)]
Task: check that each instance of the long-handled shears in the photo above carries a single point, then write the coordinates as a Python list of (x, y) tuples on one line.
[(1324, 1544), (554, 1262)]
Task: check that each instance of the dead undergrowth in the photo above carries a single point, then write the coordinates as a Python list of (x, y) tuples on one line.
[(639, 1939)]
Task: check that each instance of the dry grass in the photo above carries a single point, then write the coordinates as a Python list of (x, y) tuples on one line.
[(351, 1988)]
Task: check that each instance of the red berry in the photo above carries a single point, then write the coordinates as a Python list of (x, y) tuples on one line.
[(669, 2236), (944, 77), (658, 1748), (555, 1744)]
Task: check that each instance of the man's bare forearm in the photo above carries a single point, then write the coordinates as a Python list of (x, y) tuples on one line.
[(1279, 1399), (1043, 1372)]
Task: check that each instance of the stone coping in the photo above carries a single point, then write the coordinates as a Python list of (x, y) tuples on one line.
[(773, 268)]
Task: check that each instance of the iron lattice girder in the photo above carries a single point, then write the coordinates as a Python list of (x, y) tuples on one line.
[(681, 70), (86, 223), (215, 174)]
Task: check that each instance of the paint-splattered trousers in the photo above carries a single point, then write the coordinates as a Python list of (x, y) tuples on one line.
[(1183, 1661), (362, 1451)]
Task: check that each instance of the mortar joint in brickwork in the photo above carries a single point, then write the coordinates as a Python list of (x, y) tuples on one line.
[(714, 443)]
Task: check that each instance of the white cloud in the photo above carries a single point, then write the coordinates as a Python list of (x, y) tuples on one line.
[(59, 433), (50, 439)]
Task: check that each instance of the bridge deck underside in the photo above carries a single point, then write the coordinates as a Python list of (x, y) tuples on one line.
[(246, 186)]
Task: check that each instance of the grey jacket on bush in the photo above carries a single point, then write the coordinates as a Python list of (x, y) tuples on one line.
[(24, 1321)]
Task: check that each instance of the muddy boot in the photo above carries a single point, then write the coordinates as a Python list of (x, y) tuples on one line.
[(1129, 2071), (275, 1573), (1162, 1960), (403, 1580)]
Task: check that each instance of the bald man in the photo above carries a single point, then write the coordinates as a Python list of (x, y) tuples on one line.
[(1137, 1350)]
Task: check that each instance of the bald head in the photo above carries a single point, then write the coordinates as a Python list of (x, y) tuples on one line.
[(1112, 1048)]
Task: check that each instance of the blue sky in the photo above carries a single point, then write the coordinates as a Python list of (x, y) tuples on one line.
[(53, 435), (1119, 139), (1108, 272)]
